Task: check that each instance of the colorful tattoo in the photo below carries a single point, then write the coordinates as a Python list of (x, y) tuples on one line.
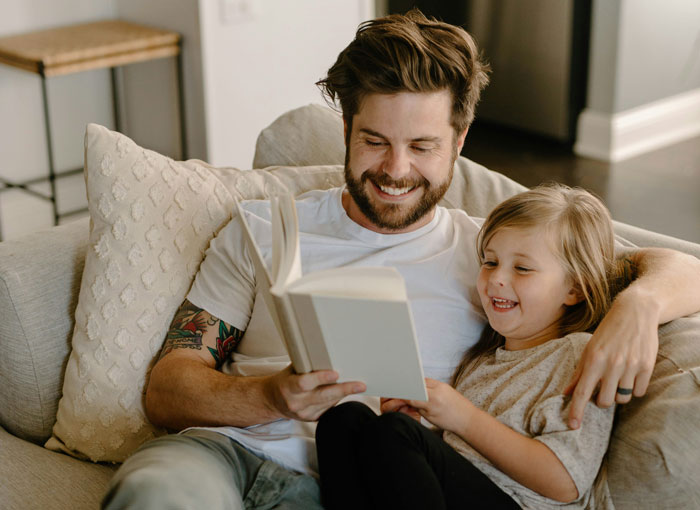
[(186, 330), (226, 342), (189, 327)]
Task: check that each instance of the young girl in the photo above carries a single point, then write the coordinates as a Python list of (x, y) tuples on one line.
[(546, 267)]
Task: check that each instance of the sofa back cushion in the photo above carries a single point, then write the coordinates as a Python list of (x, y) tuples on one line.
[(39, 281)]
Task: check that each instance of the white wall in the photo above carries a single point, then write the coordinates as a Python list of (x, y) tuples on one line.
[(257, 68)]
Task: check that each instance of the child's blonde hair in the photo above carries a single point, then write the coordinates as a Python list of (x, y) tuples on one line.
[(581, 235)]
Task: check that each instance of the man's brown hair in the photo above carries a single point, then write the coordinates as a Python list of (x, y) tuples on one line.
[(408, 53)]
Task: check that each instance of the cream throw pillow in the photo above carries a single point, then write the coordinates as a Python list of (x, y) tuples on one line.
[(151, 221)]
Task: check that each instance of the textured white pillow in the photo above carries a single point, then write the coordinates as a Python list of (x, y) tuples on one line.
[(151, 221)]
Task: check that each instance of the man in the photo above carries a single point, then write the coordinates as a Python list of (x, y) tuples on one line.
[(408, 87)]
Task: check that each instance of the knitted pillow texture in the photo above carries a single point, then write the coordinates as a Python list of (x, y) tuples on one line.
[(151, 221)]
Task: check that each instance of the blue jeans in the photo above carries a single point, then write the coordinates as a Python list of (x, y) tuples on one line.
[(203, 469)]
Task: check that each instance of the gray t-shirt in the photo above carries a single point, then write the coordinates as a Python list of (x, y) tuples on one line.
[(524, 390)]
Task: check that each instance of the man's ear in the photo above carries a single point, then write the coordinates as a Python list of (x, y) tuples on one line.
[(345, 131), (460, 140)]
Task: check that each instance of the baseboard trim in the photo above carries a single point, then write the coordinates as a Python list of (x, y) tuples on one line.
[(619, 136)]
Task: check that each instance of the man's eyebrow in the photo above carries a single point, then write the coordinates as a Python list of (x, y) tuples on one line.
[(372, 132)]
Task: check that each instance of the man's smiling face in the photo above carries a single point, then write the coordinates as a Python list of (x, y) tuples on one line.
[(399, 159)]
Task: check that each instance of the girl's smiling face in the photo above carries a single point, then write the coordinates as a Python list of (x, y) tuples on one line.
[(523, 287)]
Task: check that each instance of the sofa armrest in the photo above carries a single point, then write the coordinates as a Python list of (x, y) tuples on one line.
[(39, 283)]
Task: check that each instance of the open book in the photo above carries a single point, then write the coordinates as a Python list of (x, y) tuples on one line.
[(354, 320)]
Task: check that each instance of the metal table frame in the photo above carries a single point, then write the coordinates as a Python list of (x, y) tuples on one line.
[(53, 175)]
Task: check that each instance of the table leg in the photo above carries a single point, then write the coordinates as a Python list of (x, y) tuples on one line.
[(181, 101), (49, 146), (116, 105)]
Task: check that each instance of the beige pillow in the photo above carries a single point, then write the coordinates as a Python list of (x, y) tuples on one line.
[(151, 221)]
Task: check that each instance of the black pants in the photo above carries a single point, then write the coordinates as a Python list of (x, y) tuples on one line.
[(392, 461)]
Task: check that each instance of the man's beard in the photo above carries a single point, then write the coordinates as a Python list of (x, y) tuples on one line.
[(392, 216)]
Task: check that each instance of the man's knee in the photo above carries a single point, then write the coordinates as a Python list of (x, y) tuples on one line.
[(175, 472), (146, 488)]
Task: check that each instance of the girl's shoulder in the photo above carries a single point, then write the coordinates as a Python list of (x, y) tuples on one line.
[(563, 354), (570, 346), (576, 341)]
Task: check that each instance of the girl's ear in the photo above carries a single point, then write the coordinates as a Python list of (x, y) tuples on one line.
[(574, 296)]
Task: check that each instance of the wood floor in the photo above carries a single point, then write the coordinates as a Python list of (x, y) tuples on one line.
[(658, 191)]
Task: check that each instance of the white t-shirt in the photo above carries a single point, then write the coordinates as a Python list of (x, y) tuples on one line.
[(438, 263)]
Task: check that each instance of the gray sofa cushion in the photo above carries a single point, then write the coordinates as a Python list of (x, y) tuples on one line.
[(37, 302)]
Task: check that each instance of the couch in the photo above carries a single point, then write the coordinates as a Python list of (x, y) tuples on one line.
[(52, 456)]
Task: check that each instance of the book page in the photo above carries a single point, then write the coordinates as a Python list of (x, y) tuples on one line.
[(368, 340), (286, 255), (278, 306)]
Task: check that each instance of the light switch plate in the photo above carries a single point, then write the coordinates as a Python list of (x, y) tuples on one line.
[(239, 11)]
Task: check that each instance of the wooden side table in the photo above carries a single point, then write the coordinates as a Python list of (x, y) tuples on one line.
[(77, 48)]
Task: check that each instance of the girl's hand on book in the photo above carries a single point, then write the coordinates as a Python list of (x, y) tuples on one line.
[(391, 405), (306, 397), (446, 408)]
